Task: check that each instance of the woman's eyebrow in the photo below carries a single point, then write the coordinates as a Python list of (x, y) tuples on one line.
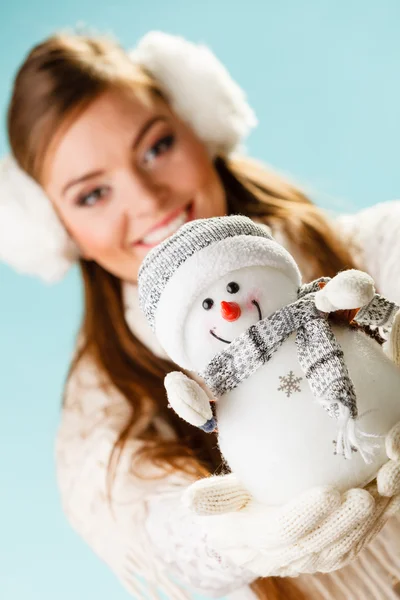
[(81, 179), (148, 125)]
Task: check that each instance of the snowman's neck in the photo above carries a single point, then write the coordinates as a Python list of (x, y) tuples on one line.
[(253, 348)]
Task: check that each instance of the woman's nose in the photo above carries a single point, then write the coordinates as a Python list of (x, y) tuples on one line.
[(230, 310), (148, 196)]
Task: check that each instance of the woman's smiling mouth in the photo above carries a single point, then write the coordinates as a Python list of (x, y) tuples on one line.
[(167, 227)]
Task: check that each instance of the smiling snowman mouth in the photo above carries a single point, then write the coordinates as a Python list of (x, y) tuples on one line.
[(229, 342)]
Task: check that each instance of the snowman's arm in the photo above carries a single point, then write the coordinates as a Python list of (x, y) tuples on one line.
[(380, 312), (189, 401), (347, 290)]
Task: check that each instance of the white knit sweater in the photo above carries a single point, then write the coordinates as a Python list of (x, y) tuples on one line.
[(147, 537)]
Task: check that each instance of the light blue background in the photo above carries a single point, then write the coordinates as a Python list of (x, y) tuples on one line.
[(324, 78)]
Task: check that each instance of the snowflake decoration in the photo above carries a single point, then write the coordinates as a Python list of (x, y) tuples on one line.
[(289, 384)]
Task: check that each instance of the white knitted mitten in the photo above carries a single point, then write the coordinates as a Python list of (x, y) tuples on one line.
[(189, 400), (216, 495), (385, 490), (392, 345), (347, 290), (388, 478), (349, 546), (386, 493), (319, 531)]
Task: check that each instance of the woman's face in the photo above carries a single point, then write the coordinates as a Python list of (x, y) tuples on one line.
[(125, 175)]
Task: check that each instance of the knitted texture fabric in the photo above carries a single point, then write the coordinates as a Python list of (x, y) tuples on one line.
[(395, 341), (380, 312), (207, 497), (163, 261), (319, 353), (175, 547), (258, 343), (322, 530), (388, 479)]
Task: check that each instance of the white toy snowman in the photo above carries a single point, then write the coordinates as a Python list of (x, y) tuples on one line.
[(300, 401)]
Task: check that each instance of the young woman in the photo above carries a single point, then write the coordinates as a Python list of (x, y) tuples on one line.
[(111, 153)]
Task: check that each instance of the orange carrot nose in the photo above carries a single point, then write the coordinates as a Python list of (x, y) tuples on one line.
[(230, 310)]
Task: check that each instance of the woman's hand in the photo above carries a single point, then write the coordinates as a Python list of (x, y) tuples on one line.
[(388, 478), (320, 531), (385, 491), (392, 345)]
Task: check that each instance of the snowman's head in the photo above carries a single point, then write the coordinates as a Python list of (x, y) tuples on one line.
[(209, 282), (226, 308)]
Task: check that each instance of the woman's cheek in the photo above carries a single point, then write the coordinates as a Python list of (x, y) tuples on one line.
[(187, 177), (97, 242)]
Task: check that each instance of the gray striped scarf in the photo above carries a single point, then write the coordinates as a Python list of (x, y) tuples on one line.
[(319, 354)]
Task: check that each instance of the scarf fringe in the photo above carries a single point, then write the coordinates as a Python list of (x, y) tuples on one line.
[(350, 437)]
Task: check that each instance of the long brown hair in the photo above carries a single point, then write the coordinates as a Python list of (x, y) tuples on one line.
[(59, 78)]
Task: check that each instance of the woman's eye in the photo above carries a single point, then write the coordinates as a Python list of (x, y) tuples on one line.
[(232, 287), (208, 303), (164, 144), (92, 198)]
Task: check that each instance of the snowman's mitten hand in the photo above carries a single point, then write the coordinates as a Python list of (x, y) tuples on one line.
[(347, 290), (216, 495), (388, 477), (392, 346), (189, 401)]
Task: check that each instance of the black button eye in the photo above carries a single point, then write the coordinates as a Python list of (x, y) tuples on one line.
[(232, 287), (208, 303)]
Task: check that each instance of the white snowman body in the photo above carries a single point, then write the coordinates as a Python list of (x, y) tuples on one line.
[(280, 441), (205, 286), (272, 431)]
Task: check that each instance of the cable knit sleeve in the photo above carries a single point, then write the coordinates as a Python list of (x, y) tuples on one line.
[(147, 537), (374, 236)]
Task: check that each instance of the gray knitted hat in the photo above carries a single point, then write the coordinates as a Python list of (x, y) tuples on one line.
[(164, 260), (200, 252)]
